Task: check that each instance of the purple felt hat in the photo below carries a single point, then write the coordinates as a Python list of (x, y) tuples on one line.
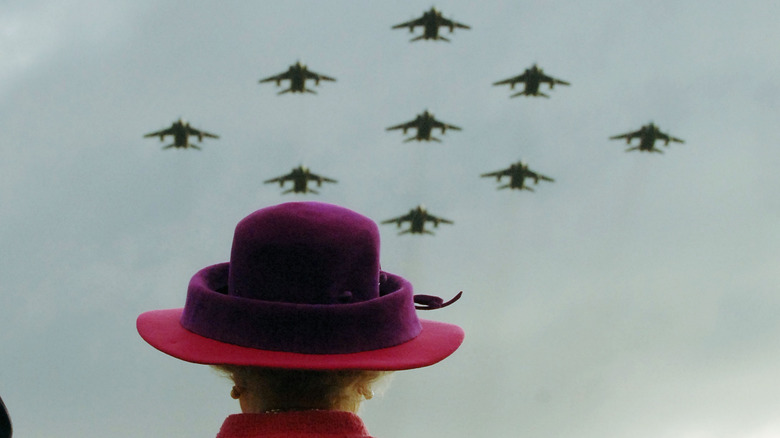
[(303, 289)]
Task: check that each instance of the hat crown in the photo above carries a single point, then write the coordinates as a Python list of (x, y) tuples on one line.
[(305, 253)]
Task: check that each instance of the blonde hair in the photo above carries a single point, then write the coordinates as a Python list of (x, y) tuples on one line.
[(305, 389)]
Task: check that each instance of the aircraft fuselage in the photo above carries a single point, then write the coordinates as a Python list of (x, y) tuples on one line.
[(300, 185), (417, 224), (181, 138), (297, 83), (532, 85), (517, 181), (431, 30), (424, 131)]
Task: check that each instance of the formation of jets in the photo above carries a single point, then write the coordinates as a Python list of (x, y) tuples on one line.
[(424, 123), (517, 173), (417, 218), (431, 21), (532, 77), (297, 74), (300, 177), (181, 132), (647, 136)]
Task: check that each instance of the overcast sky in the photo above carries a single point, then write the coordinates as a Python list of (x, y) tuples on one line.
[(637, 295)]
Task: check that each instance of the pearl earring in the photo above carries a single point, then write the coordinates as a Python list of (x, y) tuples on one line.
[(235, 393)]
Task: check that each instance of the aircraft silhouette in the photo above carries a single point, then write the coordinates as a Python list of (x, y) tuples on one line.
[(300, 176), (298, 74), (431, 21), (532, 77), (517, 173), (181, 132), (647, 135), (425, 123), (417, 217)]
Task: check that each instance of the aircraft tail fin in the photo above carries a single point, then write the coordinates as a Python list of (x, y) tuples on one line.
[(309, 91), (284, 91), (169, 146), (435, 139), (417, 38), (526, 93), (410, 139)]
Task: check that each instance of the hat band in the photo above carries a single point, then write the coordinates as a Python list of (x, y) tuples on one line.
[(381, 322)]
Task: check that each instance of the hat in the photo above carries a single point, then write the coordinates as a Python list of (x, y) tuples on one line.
[(303, 290)]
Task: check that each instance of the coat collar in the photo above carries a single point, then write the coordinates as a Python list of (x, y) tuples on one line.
[(294, 423)]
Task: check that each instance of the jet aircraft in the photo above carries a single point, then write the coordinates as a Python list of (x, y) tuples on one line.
[(517, 173), (181, 132), (425, 123), (417, 217), (300, 176), (298, 74), (532, 77), (647, 135), (431, 21)]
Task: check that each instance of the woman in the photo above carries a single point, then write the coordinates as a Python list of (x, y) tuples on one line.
[(303, 320)]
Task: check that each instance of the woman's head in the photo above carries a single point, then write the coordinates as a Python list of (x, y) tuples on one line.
[(267, 389)]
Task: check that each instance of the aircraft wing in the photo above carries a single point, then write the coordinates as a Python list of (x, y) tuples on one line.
[(161, 134), (398, 220), (443, 126), (279, 179), (404, 126), (551, 80), (317, 77), (498, 173), (437, 220), (452, 24), (318, 178), (539, 176), (628, 135), (411, 24), (667, 138), (513, 80), (201, 134), (278, 78)]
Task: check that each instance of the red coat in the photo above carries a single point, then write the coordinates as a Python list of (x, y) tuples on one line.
[(294, 424)]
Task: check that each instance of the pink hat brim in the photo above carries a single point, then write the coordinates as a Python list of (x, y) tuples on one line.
[(162, 330)]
